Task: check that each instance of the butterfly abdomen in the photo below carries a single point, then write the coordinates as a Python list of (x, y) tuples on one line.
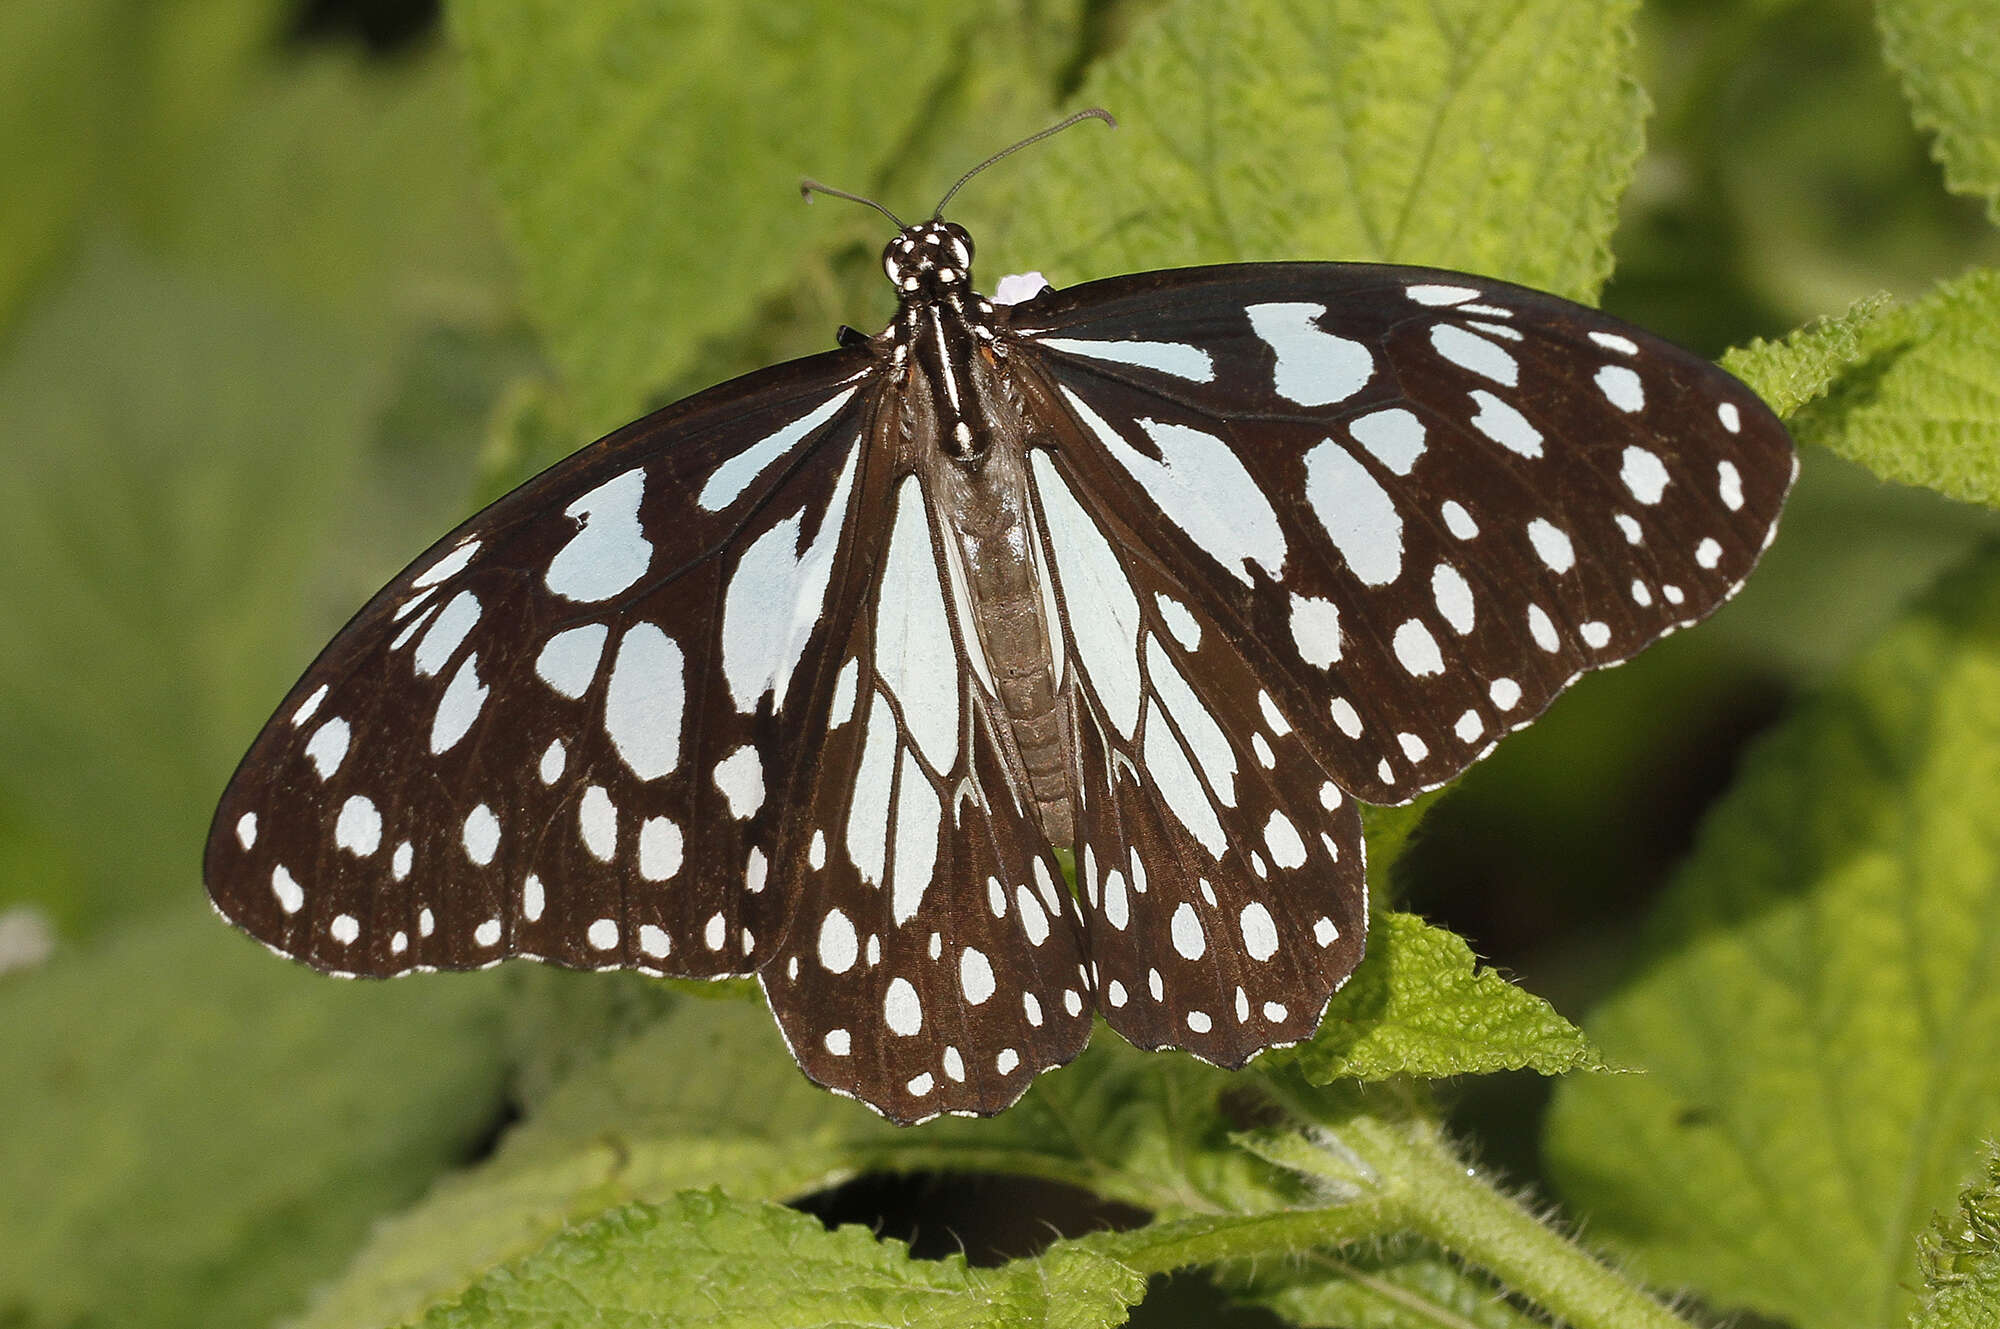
[(1006, 613)]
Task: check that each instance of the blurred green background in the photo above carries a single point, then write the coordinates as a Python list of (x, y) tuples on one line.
[(260, 341)]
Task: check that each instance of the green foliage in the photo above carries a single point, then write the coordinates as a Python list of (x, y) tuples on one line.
[(1917, 401), (205, 1159), (1420, 1005), (271, 311), (659, 95), (1948, 53), (1960, 1257), (705, 1259), (1815, 1011), (1374, 130)]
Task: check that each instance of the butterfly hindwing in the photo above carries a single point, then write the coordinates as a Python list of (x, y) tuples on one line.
[(937, 961), (563, 732), (1424, 502), (1222, 875)]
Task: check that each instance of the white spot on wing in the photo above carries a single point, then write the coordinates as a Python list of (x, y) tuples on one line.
[(1188, 362), (1552, 545), (776, 596), (1315, 368), (1107, 637), (918, 814), (602, 934), (659, 848), (1622, 388), (308, 706), (1470, 351), (839, 947), (731, 478), (1429, 293), (611, 551), (1288, 851), (975, 976), (740, 777), (1643, 474), (481, 835), (1260, 934), (1199, 731), (460, 705), (1316, 630), (1453, 597), (1358, 514), (1457, 520), (447, 633), (1417, 649), (914, 655), (1188, 937), (290, 894), (902, 1009), (843, 694), (868, 810), (328, 747), (1202, 486), (1505, 425), (448, 566), (1394, 437), (643, 701), (597, 819), (1180, 623), (1729, 484), (568, 660), (358, 829)]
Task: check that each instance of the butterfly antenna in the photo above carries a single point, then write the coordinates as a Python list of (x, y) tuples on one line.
[(807, 188), (1088, 113)]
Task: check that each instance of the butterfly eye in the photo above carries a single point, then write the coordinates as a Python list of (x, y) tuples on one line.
[(960, 242)]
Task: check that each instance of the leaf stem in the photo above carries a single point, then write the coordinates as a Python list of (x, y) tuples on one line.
[(1164, 1247), (1401, 1153)]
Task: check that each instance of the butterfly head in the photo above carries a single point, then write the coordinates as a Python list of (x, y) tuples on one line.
[(928, 260)]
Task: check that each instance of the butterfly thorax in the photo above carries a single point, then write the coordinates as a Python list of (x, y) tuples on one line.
[(962, 430)]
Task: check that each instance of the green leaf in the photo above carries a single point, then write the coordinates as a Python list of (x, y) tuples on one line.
[(1803, 366), (182, 450), (96, 98), (647, 158), (1421, 1005), (197, 1132), (1960, 1257), (1405, 1284), (704, 1259), (383, 219), (1814, 1011), (1918, 400), (708, 1096), (1948, 53), (1379, 130)]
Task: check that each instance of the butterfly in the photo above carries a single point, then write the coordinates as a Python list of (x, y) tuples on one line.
[(815, 675)]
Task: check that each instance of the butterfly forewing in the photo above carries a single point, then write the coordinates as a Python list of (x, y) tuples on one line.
[(558, 734), (1424, 502)]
